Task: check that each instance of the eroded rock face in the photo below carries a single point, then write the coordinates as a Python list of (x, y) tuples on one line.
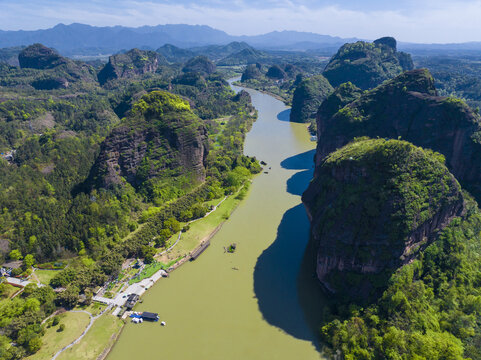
[(367, 64), (133, 63), (408, 108), (373, 206), (154, 141)]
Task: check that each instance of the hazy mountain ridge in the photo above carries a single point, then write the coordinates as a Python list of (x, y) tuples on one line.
[(80, 39)]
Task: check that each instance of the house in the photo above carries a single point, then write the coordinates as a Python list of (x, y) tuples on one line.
[(150, 316), (131, 301), (6, 269)]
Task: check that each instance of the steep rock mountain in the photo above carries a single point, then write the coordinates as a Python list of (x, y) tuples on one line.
[(200, 64), (367, 64), (309, 94), (130, 64), (160, 139), (408, 107), (373, 206)]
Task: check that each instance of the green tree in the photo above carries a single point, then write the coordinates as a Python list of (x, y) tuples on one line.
[(15, 254)]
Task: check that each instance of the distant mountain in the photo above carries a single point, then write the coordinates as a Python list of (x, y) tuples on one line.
[(175, 54), (10, 55), (244, 57), (217, 52), (80, 39)]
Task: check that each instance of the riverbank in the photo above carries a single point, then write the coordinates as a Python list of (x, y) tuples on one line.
[(275, 96), (245, 305), (108, 327)]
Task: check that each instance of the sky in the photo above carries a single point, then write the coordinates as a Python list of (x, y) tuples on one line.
[(426, 21)]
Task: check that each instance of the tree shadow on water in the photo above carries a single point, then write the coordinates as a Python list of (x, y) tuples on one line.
[(297, 183), (284, 115), (288, 292)]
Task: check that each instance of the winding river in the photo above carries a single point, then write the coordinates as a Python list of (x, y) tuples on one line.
[(263, 301)]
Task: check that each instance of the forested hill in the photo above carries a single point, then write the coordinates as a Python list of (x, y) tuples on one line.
[(367, 65)]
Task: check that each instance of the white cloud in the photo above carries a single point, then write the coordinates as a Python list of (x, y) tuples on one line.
[(430, 21)]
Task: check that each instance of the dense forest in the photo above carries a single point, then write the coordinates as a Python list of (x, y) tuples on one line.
[(105, 161), (178, 134)]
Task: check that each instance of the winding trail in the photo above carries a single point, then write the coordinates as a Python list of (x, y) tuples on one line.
[(92, 320)]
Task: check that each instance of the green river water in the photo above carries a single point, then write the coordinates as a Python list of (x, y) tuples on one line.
[(263, 301)]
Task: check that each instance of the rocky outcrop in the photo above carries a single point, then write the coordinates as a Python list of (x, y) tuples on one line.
[(407, 107), (160, 138), (374, 205), (38, 56), (367, 64), (200, 64), (309, 94), (130, 64)]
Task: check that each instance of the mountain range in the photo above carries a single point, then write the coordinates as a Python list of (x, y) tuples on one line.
[(80, 39)]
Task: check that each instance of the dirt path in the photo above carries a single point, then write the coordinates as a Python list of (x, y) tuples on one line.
[(92, 320)]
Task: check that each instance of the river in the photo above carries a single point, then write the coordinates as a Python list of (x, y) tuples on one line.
[(263, 301)]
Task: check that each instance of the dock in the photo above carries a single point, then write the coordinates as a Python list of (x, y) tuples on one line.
[(196, 253)]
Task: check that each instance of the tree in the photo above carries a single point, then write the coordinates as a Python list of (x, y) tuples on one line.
[(34, 345), (28, 261), (15, 254), (69, 297)]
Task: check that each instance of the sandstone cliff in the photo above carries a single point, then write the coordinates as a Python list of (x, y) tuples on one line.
[(161, 139), (133, 63), (406, 107), (373, 206)]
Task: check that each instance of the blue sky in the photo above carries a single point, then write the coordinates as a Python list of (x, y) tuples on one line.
[(408, 20)]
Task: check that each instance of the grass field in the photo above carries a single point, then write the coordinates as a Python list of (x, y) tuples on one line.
[(148, 271), (99, 338), (95, 308), (201, 229), (44, 276), (53, 341), (10, 290)]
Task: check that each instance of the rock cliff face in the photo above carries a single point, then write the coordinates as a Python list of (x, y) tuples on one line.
[(373, 206), (367, 64), (309, 94), (133, 63), (406, 107), (160, 139)]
